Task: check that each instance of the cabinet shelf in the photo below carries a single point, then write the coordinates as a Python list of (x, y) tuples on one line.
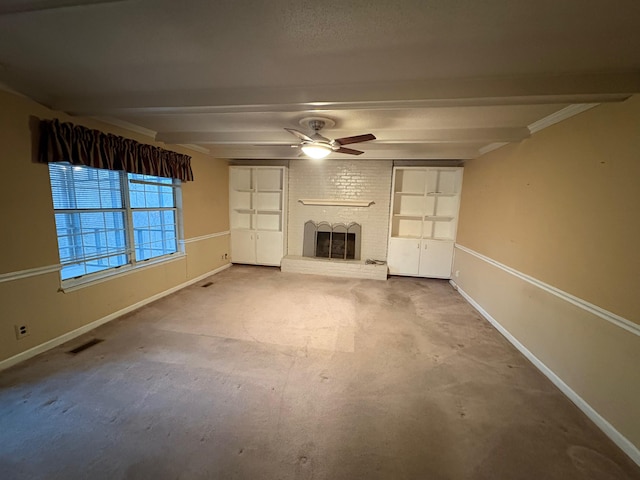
[(423, 221), (409, 237), (257, 204)]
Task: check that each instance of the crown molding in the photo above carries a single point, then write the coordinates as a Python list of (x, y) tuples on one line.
[(195, 148), (560, 115), (116, 122)]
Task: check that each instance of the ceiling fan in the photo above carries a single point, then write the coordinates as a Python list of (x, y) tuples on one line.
[(317, 146)]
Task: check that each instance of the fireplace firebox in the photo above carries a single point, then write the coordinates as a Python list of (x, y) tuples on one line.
[(334, 241)]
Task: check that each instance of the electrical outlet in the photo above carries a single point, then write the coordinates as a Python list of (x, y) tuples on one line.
[(457, 273), (22, 331), (226, 255)]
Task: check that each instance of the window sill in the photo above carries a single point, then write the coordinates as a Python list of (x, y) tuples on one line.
[(72, 285)]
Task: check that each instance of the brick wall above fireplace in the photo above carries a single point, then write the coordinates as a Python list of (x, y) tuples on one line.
[(366, 180)]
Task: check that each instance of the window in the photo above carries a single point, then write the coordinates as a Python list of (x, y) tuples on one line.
[(154, 215), (107, 219)]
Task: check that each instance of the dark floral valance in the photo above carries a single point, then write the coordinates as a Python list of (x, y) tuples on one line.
[(66, 142)]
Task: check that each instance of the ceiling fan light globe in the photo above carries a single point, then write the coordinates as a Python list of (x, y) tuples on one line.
[(316, 151)]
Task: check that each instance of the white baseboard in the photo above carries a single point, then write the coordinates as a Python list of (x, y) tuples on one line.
[(43, 347), (620, 440)]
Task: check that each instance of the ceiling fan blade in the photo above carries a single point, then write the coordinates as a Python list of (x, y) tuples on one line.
[(300, 135), (355, 139), (348, 151)]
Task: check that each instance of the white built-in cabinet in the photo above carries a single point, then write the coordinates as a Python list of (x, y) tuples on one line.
[(257, 204), (424, 217)]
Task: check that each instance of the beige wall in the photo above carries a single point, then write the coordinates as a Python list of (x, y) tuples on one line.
[(28, 237), (563, 207)]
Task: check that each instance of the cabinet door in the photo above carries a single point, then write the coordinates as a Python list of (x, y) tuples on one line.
[(404, 256), (243, 246), (435, 258), (269, 247)]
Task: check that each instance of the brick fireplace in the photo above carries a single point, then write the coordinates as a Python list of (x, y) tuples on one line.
[(346, 192), (334, 241)]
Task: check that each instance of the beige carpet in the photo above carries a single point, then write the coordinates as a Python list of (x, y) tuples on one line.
[(266, 375)]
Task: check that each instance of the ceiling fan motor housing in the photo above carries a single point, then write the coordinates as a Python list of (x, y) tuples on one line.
[(323, 145), (316, 124)]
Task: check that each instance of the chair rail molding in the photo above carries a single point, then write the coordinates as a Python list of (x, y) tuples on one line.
[(30, 272), (205, 237), (579, 302)]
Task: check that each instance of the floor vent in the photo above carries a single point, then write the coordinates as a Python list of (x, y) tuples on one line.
[(84, 346), (208, 284)]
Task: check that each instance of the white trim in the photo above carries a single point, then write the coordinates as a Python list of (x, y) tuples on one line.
[(72, 284), (560, 115), (43, 347), (620, 440), (578, 302), (195, 148), (132, 127), (31, 272), (491, 147), (204, 237), (148, 133), (545, 122), (34, 272)]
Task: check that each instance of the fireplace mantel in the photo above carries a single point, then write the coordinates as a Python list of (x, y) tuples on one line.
[(336, 202)]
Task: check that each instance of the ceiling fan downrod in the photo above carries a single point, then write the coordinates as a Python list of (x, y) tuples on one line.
[(316, 124)]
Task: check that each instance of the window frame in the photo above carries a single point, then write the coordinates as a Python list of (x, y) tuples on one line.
[(133, 263)]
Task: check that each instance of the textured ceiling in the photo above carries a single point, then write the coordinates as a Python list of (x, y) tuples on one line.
[(431, 79)]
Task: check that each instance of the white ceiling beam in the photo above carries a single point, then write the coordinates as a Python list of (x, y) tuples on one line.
[(449, 153), (465, 135), (531, 90)]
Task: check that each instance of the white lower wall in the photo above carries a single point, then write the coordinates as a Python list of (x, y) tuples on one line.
[(591, 355), (368, 180)]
